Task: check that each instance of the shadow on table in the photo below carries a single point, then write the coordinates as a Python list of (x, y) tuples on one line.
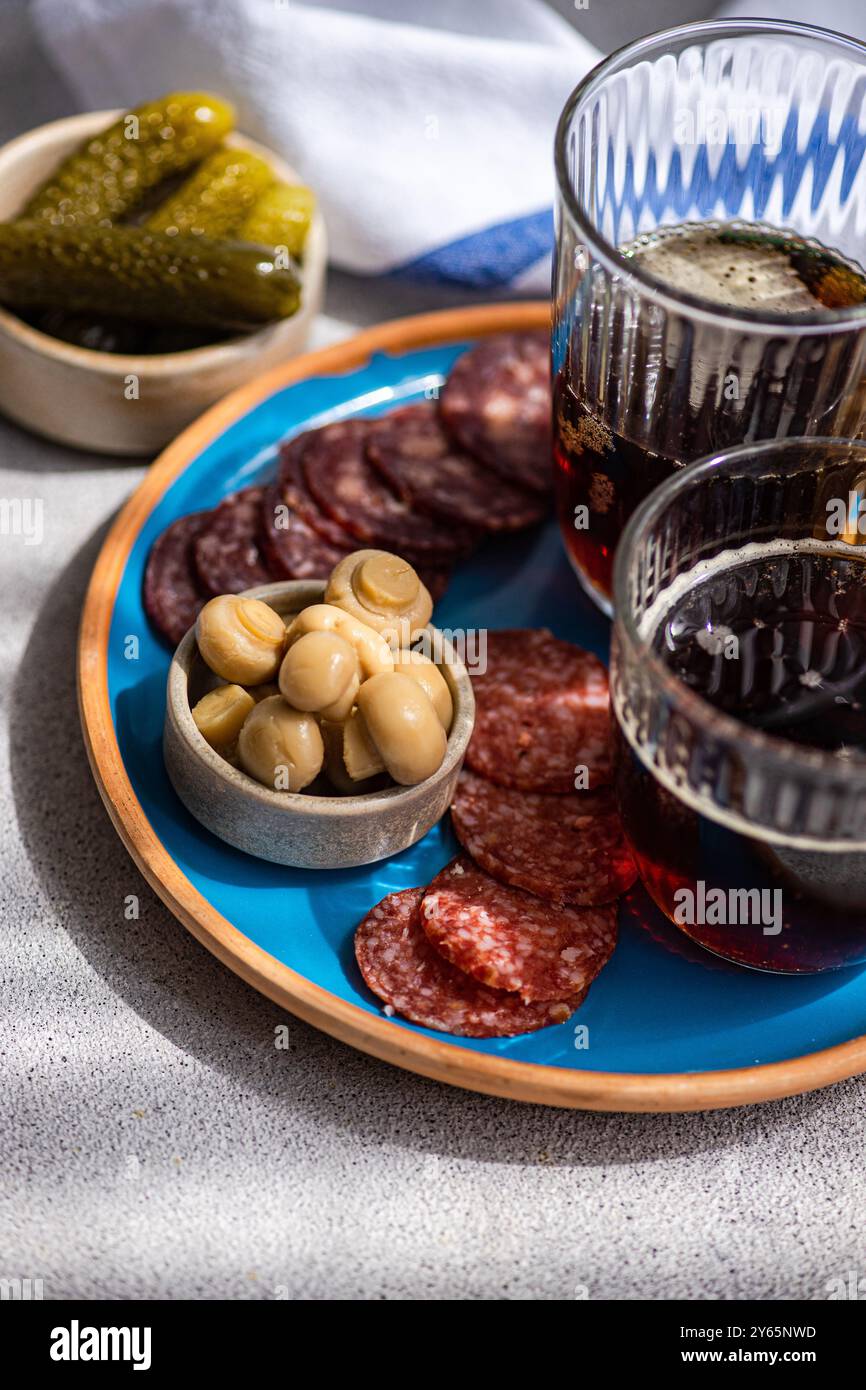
[(24, 452), (178, 988)]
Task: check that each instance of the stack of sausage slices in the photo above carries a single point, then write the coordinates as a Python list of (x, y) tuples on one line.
[(426, 481), (510, 935)]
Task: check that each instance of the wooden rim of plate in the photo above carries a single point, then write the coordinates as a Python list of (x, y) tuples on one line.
[(442, 1061)]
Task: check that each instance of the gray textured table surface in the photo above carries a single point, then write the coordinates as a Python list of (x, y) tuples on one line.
[(155, 1144)]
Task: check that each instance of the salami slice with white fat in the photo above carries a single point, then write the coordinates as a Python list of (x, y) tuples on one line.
[(298, 498), (403, 970), (300, 501), (511, 940), (347, 487), (496, 404), (294, 549), (173, 594), (228, 552), (542, 713), (415, 456), (566, 849)]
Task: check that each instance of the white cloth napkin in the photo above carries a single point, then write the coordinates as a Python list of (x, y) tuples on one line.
[(845, 16), (425, 128)]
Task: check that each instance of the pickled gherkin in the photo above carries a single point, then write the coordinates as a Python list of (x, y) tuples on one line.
[(216, 198), (109, 176), (281, 217), (144, 275)]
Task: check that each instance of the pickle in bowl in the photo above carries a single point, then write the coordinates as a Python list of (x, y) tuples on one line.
[(281, 217), (110, 175), (216, 198), (144, 275)]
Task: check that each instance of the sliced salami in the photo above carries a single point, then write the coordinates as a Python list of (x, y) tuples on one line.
[(401, 967), (172, 592), (294, 549), (542, 711), (347, 487), (228, 552), (496, 404), (299, 499), (413, 453), (511, 940), (566, 849)]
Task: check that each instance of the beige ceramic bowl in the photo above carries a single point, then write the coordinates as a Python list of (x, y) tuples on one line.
[(296, 828), (79, 397)]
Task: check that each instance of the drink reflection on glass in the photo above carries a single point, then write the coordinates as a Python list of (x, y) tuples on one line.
[(738, 683), (708, 285)]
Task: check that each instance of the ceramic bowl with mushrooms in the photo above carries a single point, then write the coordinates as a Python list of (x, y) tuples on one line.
[(307, 725)]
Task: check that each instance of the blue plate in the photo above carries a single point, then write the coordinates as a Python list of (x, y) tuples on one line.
[(660, 1007)]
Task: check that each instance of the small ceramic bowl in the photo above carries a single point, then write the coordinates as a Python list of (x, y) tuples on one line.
[(78, 396), (297, 828)]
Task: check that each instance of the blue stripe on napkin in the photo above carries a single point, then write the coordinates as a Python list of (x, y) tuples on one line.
[(494, 256)]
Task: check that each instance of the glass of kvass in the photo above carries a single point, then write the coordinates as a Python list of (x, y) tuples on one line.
[(738, 685), (708, 284)]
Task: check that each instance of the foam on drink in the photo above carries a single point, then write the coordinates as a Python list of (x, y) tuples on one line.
[(645, 389)]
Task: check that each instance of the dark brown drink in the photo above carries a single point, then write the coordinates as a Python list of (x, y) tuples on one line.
[(778, 641), (643, 389)]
